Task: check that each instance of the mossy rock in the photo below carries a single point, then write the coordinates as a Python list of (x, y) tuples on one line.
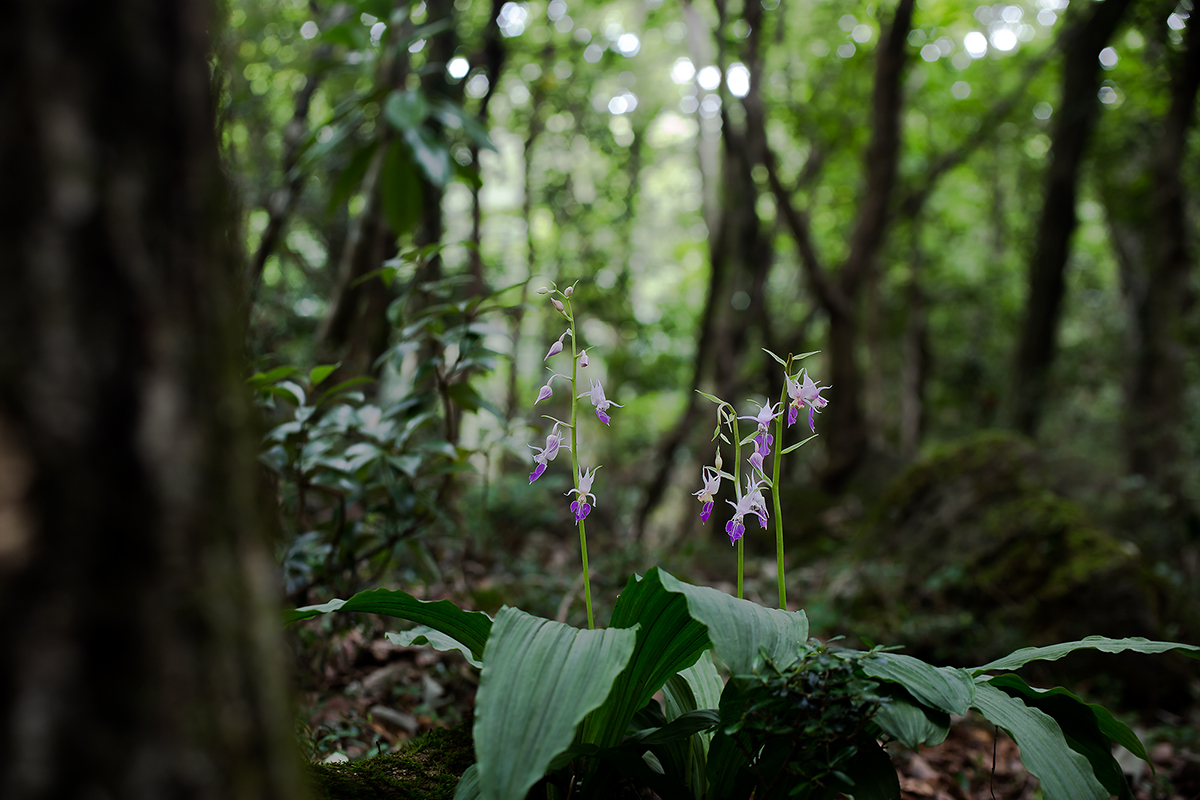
[(969, 555), (427, 769)]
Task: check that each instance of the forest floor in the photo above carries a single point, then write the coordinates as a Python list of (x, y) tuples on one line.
[(368, 697)]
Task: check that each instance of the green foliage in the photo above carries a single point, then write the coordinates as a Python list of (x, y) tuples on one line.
[(576, 706), (429, 768)]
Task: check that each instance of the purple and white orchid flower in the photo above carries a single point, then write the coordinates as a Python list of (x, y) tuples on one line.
[(544, 455), (804, 392), (712, 485), (600, 401), (580, 505), (557, 347)]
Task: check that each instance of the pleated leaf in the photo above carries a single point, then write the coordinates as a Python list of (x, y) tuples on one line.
[(1054, 652), (945, 688), (1064, 773), (1089, 729), (468, 784), (540, 679), (470, 628), (912, 724), (668, 640), (873, 773), (739, 629)]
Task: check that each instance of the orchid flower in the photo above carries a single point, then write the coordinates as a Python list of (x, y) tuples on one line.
[(805, 392), (557, 347), (600, 401), (544, 455), (580, 505), (751, 502), (546, 392), (583, 358), (765, 416), (712, 485)]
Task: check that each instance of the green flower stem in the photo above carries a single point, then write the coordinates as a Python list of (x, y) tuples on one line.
[(775, 496), (737, 486), (587, 584)]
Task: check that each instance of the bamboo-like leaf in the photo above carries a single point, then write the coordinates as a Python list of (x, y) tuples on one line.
[(708, 396), (800, 444), (945, 688), (540, 679), (1064, 773), (772, 355), (1054, 652), (470, 628)]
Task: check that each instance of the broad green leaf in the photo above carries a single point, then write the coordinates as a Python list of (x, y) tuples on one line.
[(322, 372), (668, 640), (739, 629), (697, 687), (912, 724), (873, 774), (681, 727), (400, 189), (700, 682), (727, 765), (333, 391), (1090, 729), (468, 627), (946, 688), (406, 109), (423, 634), (540, 679), (468, 784), (1054, 652), (1064, 773)]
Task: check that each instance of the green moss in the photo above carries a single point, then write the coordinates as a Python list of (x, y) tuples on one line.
[(969, 555), (427, 769)]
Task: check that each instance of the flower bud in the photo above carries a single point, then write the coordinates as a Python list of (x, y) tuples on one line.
[(542, 290), (570, 290), (717, 461), (583, 358), (557, 304)]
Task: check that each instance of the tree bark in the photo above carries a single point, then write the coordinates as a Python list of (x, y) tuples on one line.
[(1070, 132), (140, 650)]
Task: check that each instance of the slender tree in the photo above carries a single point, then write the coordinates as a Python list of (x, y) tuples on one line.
[(140, 651), (1072, 128)]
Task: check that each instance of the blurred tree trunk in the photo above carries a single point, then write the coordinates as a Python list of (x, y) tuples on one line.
[(1146, 205), (839, 294), (1071, 129), (140, 651)]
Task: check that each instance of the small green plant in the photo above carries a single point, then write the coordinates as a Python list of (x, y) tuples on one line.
[(360, 481)]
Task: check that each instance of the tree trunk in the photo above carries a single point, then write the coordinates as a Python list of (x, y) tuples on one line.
[(140, 651), (1071, 130)]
